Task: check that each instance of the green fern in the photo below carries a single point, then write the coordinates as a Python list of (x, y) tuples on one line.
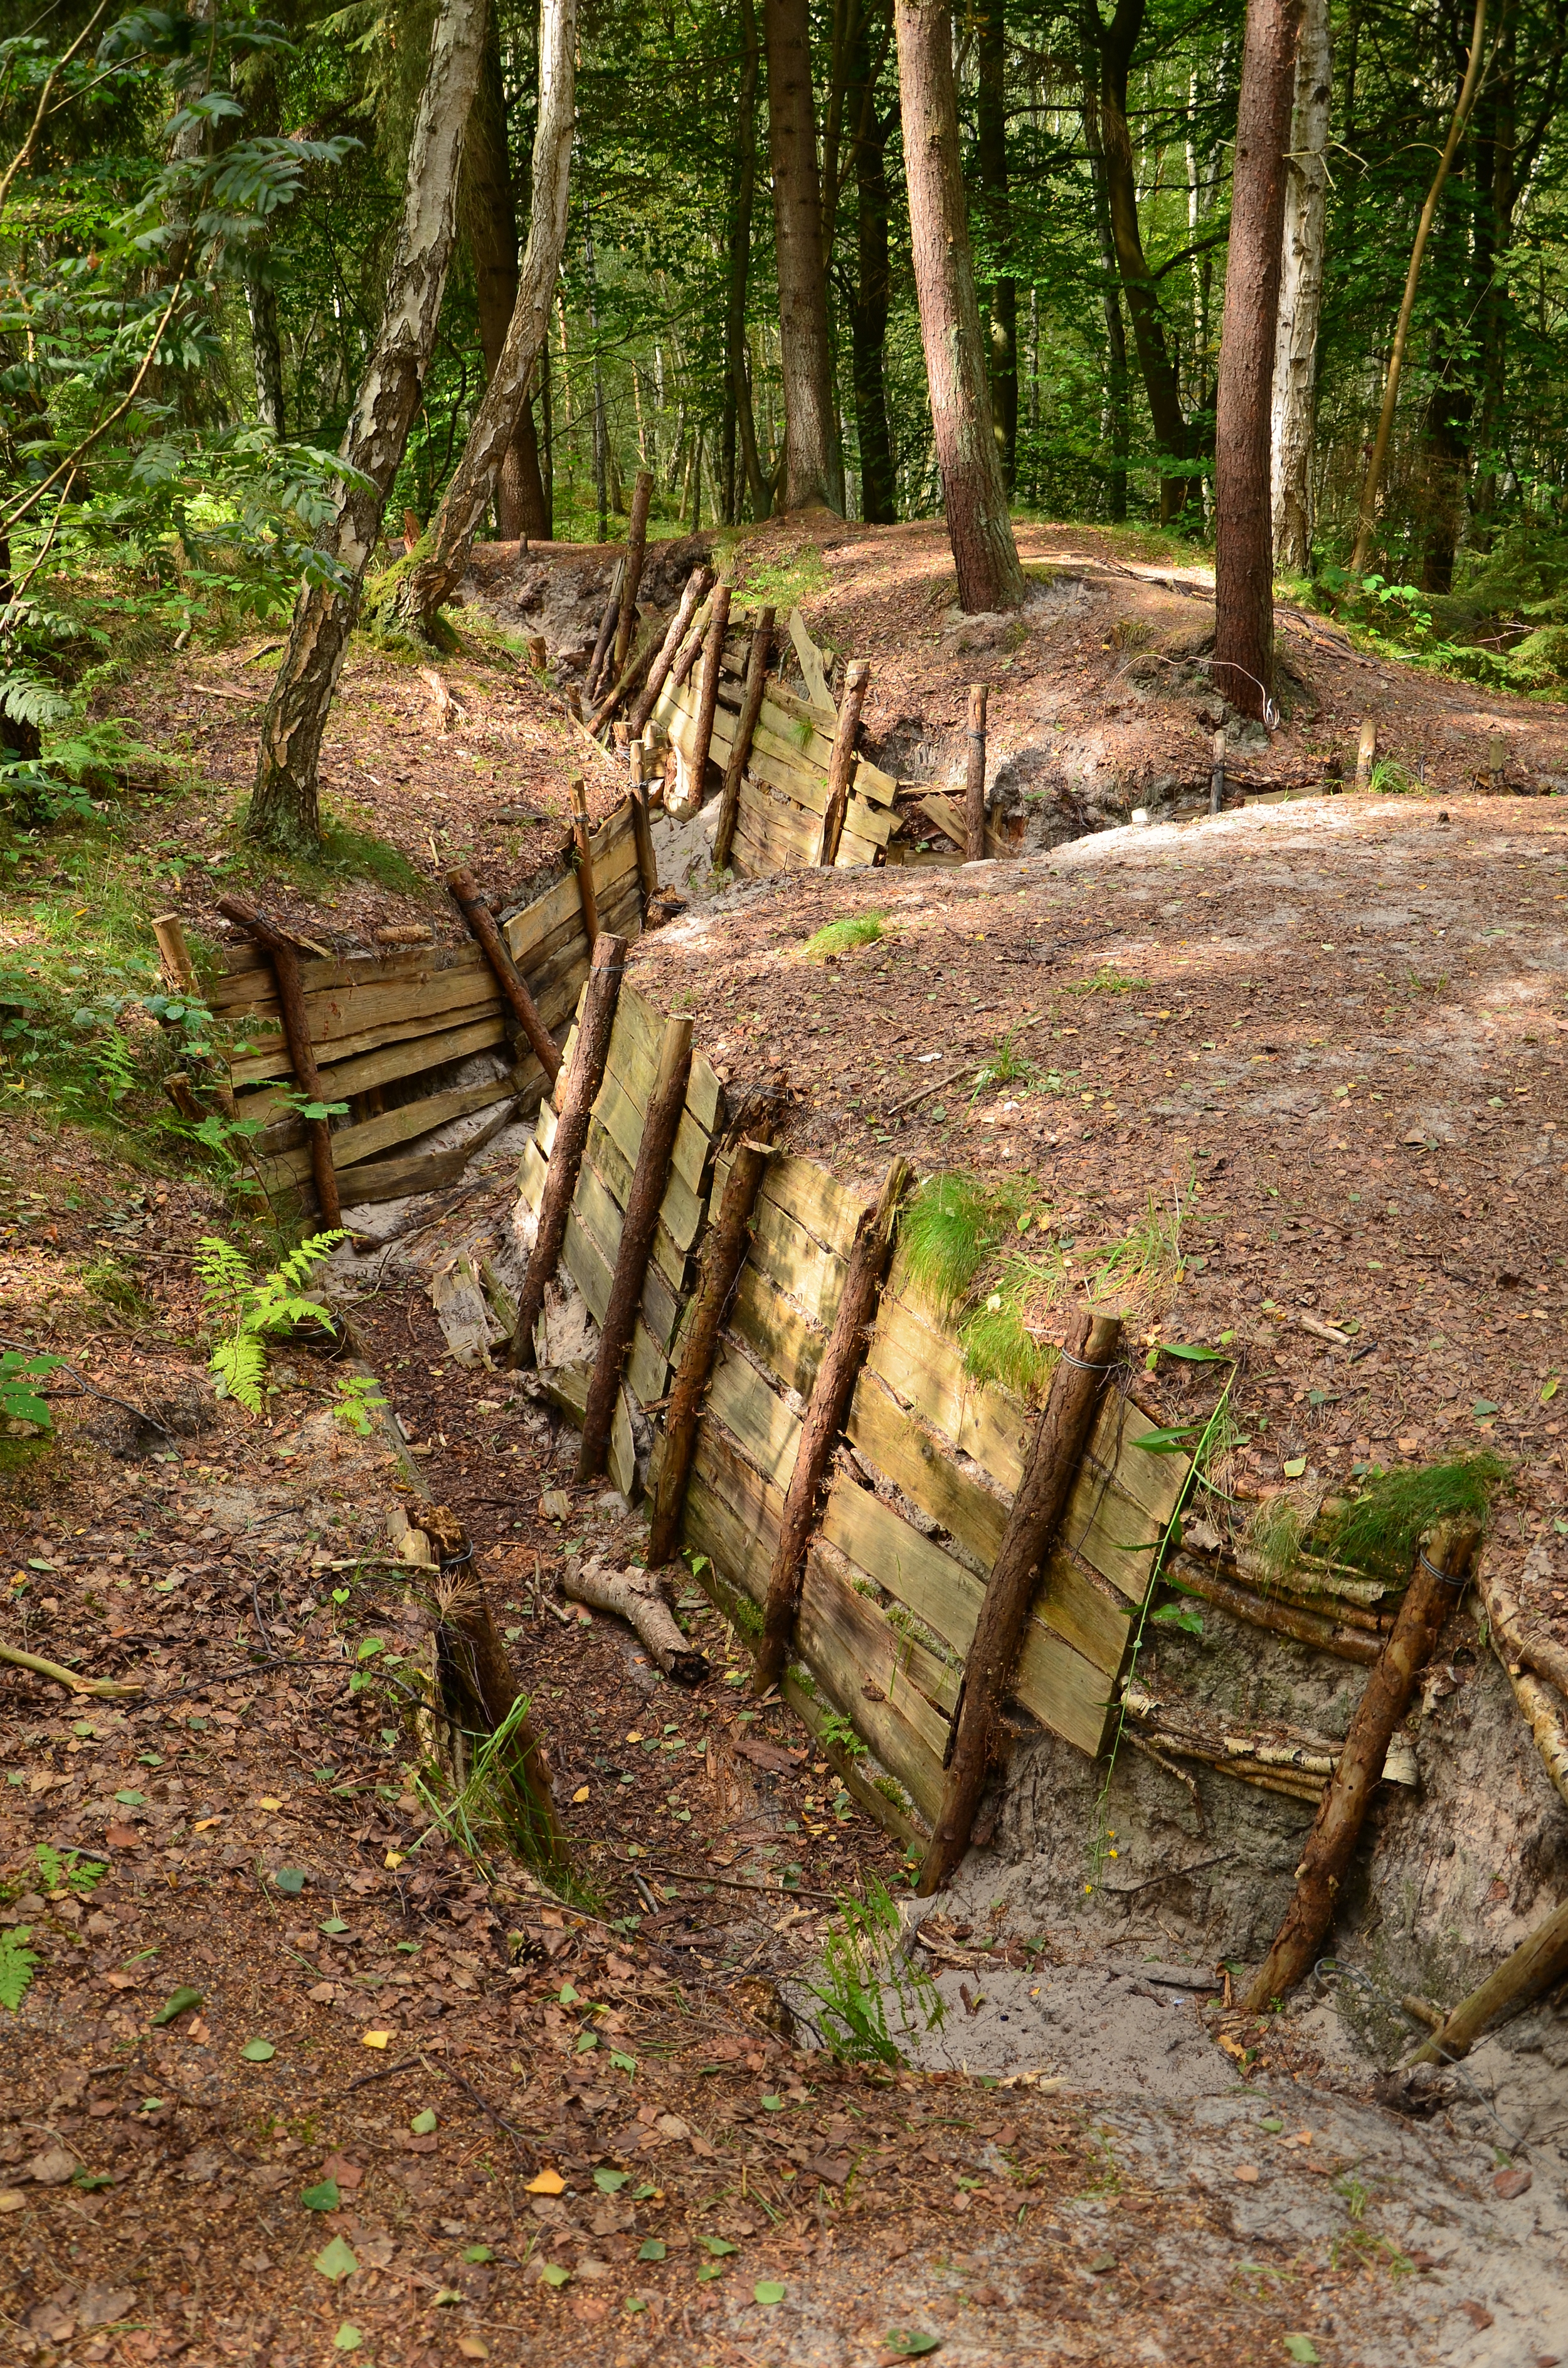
[(16, 1965), (252, 1308)]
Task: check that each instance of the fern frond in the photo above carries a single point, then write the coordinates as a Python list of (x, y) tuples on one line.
[(296, 1267), (16, 1965), (240, 1367)]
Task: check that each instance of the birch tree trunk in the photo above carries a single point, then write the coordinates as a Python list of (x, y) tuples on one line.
[(438, 565), (285, 808), (1301, 294), (1244, 539), (813, 469), (979, 525)]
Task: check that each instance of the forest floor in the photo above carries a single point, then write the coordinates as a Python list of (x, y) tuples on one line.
[(1320, 1042)]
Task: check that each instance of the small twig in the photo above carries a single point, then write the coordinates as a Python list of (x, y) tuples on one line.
[(383, 2072), (935, 1086)]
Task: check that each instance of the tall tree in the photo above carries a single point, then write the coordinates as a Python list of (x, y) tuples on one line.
[(438, 565), (814, 466), (488, 214), (991, 155), (978, 526), (1244, 535), (871, 297), (1117, 380), (742, 466), (285, 807), (1301, 293)]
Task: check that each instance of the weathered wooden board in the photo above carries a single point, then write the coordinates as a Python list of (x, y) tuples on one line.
[(872, 823), (756, 1416), (604, 1156), (682, 1209), (1064, 1691), (769, 1322), (916, 1460), (796, 1261), (923, 1368), (848, 1645), (351, 1144), (938, 1590), (344, 1079), (586, 1263), (853, 850), (532, 1170), (731, 1514), (647, 1367), (621, 1459), (814, 672), (814, 1200)]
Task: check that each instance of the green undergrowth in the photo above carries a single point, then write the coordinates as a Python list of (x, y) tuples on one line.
[(779, 584), (1376, 1531), (842, 937)]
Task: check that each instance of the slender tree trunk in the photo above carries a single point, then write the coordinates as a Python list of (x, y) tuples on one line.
[(1119, 384), (813, 469), (267, 350), (978, 526), (1301, 294), (435, 573), (489, 217), (284, 808), (742, 466), (1243, 543), (991, 124), (1495, 305), (1115, 44), (873, 284)]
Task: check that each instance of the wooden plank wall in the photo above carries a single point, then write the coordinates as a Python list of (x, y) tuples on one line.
[(398, 1019)]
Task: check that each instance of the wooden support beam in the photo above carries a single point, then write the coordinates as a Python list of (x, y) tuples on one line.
[(1050, 1469), (1270, 1612), (573, 1108), (179, 968), (659, 672), (666, 1102), (707, 700), (1442, 1565), (607, 628), (636, 551), (740, 748), (642, 827), (297, 1037), (479, 922), (1534, 1967), (580, 832), (625, 682), (1217, 776), (724, 1254), (826, 1417), (841, 764), (974, 775)]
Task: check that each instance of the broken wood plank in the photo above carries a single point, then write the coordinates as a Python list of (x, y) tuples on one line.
[(814, 1200), (784, 1339), (917, 1461), (757, 1417), (813, 669), (354, 1144), (569, 1136), (948, 815), (839, 1634)]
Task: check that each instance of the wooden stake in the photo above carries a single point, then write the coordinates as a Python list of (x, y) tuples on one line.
[(841, 764), (1061, 1436), (625, 682), (573, 1109), (585, 860), (975, 774), (481, 925), (751, 708), (712, 667), (539, 653), (825, 1415), (642, 829), (665, 1101), (1533, 1967), (658, 673), (1217, 776), (179, 968), (724, 1254), (297, 1037), (1365, 755), (1435, 1585), (606, 628), (636, 551)]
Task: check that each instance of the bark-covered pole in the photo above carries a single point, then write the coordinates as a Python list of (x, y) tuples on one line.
[(841, 764), (813, 471), (573, 1108), (479, 922), (751, 708), (667, 1099), (979, 525), (1077, 1387), (724, 1254), (1301, 293), (1534, 1967), (581, 832), (1442, 1565), (285, 807), (831, 1392), (707, 700), (636, 551), (286, 970), (1242, 664), (436, 572), (974, 775), (658, 673)]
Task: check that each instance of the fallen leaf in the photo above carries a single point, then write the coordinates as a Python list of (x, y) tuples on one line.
[(767, 2292), (911, 2342), (1302, 2347), (336, 2260), (473, 2346), (1509, 2183), (198, 2031), (12, 2199), (549, 2182), (347, 2173), (122, 1837), (101, 2306), (290, 1881), (1294, 1467), (52, 2167), (347, 2339), (1247, 2173), (1477, 2314), (670, 2126), (582, 1794), (774, 1756), (553, 2274), (258, 2050), (375, 2038), (323, 2197), (652, 2249), (267, 1802), (1101, 2263), (719, 2245), (423, 2123), (205, 1825)]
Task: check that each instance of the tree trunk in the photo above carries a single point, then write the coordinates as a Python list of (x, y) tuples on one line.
[(434, 576), (1115, 43), (978, 526), (813, 469), (991, 125), (873, 284), (1301, 294), (267, 350), (1118, 383), (489, 218), (1244, 542), (284, 808), (738, 421)]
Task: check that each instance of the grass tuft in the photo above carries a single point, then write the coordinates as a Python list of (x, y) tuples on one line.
[(1107, 980), (948, 1230), (1380, 1530), (839, 936)]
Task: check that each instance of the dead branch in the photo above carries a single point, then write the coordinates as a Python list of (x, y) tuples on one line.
[(645, 1601)]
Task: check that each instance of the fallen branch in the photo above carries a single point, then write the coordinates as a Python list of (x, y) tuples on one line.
[(106, 1689), (1542, 1653), (1533, 1967), (1285, 1619), (644, 1600)]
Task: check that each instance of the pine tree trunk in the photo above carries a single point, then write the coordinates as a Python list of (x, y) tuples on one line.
[(813, 471), (873, 284), (284, 808), (1301, 294), (991, 125), (1244, 546), (489, 218), (1117, 382), (978, 526), (437, 571), (742, 467)]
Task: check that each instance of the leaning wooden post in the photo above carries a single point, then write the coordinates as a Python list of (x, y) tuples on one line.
[(642, 829), (1066, 1421), (479, 922), (297, 1037), (724, 1254), (573, 1108), (841, 764), (707, 702), (1436, 1585), (1365, 753), (179, 968), (825, 1418), (606, 628), (974, 775), (585, 860), (1533, 1967), (658, 674), (751, 708), (636, 551), (667, 1099)]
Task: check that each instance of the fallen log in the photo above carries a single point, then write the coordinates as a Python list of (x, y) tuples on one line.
[(573, 1109), (625, 682), (1436, 1585), (707, 700), (1533, 1967), (1264, 1611), (1544, 1721), (658, 673), (479, 922), (1531, 1650), (645, 1601)]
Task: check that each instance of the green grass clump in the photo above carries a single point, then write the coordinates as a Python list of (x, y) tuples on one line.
[(781, 583), (839, 936), (1148, 1253), (997, 1343), (948, 1230), (1380, 1530), (1107, 980)]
